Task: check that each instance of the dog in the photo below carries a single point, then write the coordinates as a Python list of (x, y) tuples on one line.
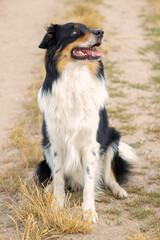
[(80, 149)]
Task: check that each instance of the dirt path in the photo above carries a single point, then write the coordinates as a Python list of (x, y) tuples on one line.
[(22, 28)]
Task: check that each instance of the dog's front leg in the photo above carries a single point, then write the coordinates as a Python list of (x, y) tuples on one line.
[(58, 178), (90, 165)]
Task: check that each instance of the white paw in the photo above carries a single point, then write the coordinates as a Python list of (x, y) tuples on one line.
[(55, 206), (92, 215), (48, 188), (119, 192), (58, 202)]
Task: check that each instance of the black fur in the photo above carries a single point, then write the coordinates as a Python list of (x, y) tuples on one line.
[(100, 73), (105, 134), (52, 73), (43, 171), (45, 140), (43, 174), (121, 169)]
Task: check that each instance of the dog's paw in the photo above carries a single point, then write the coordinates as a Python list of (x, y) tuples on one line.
[(92, 215), (55, 206), (119, 192), (58, 203), (49, 188)]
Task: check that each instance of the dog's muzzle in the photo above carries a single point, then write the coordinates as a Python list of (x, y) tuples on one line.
[(87, 50)]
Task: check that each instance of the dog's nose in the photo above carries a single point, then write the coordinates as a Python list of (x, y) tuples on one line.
[(98, 32)]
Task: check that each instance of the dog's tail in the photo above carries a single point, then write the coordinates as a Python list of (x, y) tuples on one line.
[(43, 174), (122, 162)]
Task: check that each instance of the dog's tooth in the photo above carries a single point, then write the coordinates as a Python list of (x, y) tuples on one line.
[(80, 52), (92, 54)]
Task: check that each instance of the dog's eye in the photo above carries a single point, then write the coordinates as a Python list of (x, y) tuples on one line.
[(74, 32)]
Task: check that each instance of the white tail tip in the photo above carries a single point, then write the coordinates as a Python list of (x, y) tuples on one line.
[(127, 152)]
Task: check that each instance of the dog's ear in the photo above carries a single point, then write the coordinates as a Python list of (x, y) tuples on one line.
[(50, 37)]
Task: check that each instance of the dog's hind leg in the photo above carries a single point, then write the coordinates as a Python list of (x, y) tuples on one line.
[(109, 177)]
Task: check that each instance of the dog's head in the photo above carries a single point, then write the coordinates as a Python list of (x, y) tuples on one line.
[(72, 42)]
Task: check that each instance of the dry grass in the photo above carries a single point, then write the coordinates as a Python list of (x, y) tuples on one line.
[(141, 213), (152, 235), (86, 13), (37, 215), (154, 130), (9, 181), (128, 129), (113, 211), (23, 139)]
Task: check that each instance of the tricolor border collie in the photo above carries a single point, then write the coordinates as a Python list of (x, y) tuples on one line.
[(80, 149)]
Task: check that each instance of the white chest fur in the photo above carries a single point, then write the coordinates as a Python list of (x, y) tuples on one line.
[(72, 108)]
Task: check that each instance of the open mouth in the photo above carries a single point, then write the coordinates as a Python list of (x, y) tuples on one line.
[(89, 53)]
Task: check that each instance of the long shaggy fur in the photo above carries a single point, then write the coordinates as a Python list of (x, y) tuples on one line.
[(80, 148)]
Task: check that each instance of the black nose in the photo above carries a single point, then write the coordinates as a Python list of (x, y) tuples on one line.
[(98, 32)]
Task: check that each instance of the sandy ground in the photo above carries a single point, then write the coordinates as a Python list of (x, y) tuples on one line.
[(22, 28)]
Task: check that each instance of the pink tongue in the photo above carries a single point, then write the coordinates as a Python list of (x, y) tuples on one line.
[(92, 53)]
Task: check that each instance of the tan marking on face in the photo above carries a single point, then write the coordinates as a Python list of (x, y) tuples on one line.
[(76, 26), (66, 53)]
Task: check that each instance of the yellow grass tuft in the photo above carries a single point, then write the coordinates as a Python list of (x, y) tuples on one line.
[(29, 148), (86, 13), (9, 181), (154, 235), (37, 215), (18, 138)]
